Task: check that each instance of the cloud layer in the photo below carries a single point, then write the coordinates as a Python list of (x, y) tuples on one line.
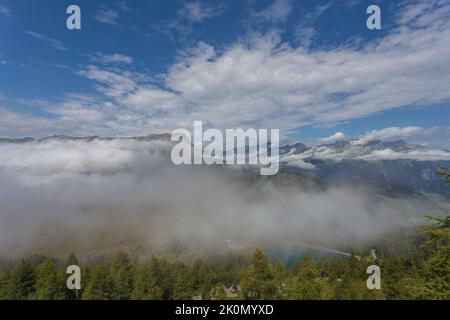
[(97, 196)]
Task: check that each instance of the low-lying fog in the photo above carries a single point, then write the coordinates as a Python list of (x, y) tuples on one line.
[(107, 195)]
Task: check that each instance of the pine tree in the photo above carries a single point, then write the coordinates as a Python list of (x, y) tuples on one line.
[(164, 275), (23, 281), (6, 292), (258, 280), (100, 285), (122, 276), (145, 287), (436, 268), (308, 283), (183, 289), (281, 276), (72, 294), (49, 284)]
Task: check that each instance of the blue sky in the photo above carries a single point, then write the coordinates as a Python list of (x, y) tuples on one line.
[(309, 68)]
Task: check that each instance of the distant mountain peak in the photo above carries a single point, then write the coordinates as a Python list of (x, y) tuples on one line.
[(62, 137)]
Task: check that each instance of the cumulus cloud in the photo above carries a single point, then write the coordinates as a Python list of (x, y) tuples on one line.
[(391, 133), (263, 82), (273, 84), (338, 136), (112, 84)]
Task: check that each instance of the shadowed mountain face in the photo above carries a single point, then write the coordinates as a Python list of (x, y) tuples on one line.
[(162, 136), (294, 148), (393, 177), (394, 167), (355, 149)]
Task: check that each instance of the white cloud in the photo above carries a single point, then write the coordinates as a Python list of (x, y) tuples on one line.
[(111, 58), (392, 133), (317, 11), (263, 82), (324, 153), (22, 124), (5, 11), (305, 31), (181, 26), (197, 11), (352, 151), (108, 16), (81, 157), (278, 11), (304, 35), (338, 136), (77, 193), (419, 155), (294, 161), (52, 42), (110, 83), (152, 98)]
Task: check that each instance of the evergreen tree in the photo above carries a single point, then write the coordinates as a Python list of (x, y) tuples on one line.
[(436, 268), (308, 284), (145, 287), (72, 294), (23, 281), (100, 285), (6, 292), (184, 289), (350, 289), (122, 276), (281, 276), (258, 280), (49, 284), (164, 275)]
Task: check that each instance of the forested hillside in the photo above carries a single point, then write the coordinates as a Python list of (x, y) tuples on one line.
[(422, 273), (415, 265)]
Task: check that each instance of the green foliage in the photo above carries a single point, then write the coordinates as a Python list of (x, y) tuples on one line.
[(419, 270), (23, 281), (6, 292), (436, 267), (145, 287), (121, 275), (70, 294), (308, 284), (445, 172), (421, 274), (50, 282), (259, 279), (100, 284)]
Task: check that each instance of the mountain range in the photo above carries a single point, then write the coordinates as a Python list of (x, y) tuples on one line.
[(391, 166)]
